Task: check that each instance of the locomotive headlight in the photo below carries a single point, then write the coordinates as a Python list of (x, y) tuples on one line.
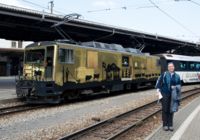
[(36, 69)]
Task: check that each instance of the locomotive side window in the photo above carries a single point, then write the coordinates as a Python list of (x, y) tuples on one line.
[(136, 65), (66, 56), (125, 61)]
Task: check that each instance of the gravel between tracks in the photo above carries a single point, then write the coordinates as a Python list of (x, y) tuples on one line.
[(54, 122)]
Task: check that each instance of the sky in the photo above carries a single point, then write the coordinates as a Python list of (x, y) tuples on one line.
[(171, 18)]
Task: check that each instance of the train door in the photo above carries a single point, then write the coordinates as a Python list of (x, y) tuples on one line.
[(92, 66), (49, 63), (92, 59)]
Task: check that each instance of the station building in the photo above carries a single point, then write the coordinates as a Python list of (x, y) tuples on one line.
[(11, 57)]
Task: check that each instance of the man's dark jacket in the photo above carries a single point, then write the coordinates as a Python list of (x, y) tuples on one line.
[(170, 85)]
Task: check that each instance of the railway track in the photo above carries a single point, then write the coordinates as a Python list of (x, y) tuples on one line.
[(17, 109), (117, 126)]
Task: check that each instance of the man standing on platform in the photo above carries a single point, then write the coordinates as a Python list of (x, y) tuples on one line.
[(169, 91)]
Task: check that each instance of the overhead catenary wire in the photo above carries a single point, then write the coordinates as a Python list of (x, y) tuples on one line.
[(172, 18), (40, 6), (126, 7), (194, 2), (118, 8)]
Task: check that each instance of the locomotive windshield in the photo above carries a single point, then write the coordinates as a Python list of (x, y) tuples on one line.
[(34, 56)]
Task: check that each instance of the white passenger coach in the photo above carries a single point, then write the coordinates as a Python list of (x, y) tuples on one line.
[(188, 67)]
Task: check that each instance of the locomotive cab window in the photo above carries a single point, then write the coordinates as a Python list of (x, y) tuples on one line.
[(125, 61), (66, 56), (34, 56)]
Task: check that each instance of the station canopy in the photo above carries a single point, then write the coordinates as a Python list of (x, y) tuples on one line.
[(29, 25)]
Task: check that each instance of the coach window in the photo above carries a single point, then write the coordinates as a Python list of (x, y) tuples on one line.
[(192, 66), (183, 66), (197, 66), (66, 56)]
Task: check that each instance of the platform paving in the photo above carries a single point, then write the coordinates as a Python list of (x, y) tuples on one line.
[(186, 127), (7, 94), (7, 88), (189, 130)]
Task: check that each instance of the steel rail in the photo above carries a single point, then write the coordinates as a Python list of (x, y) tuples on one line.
[(94, 129), (17, 109)]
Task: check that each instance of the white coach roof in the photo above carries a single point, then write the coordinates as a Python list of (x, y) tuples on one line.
[(181, 57)]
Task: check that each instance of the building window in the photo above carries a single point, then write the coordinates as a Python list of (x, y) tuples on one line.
[(66, 56), (20, 44), (13, 44)]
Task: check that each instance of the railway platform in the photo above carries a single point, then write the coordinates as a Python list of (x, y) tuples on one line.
[(7, 89), (186, 124)]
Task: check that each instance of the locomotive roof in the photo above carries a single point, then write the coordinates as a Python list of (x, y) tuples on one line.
[(180, 57), (48, 43), (91, 44)]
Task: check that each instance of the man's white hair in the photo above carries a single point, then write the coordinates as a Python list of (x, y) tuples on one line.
[(170, 63)]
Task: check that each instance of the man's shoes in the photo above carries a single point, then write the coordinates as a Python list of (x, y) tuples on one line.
[(165, 128), (171, 128)]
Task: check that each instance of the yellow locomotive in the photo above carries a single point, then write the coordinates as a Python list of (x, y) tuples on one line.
[(56, 70)]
